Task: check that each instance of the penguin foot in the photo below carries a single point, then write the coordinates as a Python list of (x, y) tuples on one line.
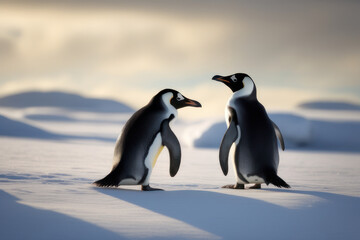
[(256, 186), (236, 186), (148, 188)]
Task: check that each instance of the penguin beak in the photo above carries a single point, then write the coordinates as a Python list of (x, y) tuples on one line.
[(192, 103), (220, 79)]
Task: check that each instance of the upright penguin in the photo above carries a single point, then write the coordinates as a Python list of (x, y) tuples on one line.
[(142, 139), (256, 156)]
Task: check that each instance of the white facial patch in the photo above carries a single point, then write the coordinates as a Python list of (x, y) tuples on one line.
[(180, 97), (246, 90), (233, 78), (166, 98)]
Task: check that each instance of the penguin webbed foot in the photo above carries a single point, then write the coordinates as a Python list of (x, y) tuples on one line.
[(148, 188), (235, 186), (256, 186)]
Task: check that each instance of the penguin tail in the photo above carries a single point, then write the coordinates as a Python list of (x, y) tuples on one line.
[(277, 181), (111, 180)]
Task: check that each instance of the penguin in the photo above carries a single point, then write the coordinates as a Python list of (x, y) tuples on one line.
[(256, 156), (143, 138)]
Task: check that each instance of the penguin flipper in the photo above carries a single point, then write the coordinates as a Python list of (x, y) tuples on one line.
[(172, 143), (228, 139), (279, 135)]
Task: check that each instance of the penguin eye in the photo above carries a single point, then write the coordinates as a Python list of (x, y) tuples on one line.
[(233, 78), (179, 97)]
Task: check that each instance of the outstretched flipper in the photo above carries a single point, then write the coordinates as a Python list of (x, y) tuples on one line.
[(172, 143), (279, 135), (229, 138)]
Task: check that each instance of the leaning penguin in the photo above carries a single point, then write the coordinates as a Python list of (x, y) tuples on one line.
[(256, 156), (142, 139)]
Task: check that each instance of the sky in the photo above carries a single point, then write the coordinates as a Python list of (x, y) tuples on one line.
[(295, 51)]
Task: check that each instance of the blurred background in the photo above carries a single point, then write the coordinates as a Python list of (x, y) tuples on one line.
[(296, 51), (73, 72)]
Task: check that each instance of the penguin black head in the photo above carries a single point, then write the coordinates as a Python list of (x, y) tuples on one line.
[(237, 81), (177, 100)]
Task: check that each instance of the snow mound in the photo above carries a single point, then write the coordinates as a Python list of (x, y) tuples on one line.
[(13, 128), (204, 134), (330, 105), (49, 117), (296, 131), (9, 127), (336, 135), (63, 100), (68, 117)]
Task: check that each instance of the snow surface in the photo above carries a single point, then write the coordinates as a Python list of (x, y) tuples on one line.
[(299, 132), (46, 190), (64, 100)]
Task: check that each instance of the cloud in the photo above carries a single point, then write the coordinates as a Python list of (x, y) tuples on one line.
[(114, 43), (107, 47)]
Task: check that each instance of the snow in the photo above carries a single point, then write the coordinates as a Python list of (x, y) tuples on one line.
[(62, 100), (9, 127), (46, 190), (330, 105), (299, 132), (296, 130)]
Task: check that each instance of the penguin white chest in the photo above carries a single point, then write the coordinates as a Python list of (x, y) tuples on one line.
[(153, 154)]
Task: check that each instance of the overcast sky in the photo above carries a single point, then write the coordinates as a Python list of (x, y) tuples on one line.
[(294, 50)]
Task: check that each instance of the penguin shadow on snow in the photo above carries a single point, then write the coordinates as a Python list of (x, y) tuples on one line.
[(19, 221), (334, 216)]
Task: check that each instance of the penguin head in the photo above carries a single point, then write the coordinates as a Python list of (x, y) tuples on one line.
[(237, 82), (177, 100)]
